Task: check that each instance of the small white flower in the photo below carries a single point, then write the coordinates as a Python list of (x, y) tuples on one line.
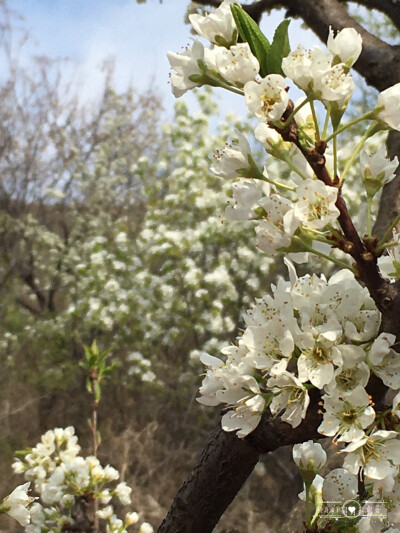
[(110, 473), (384, 361), (276, 229), (131, 519), (291, 397), (352, 373), (233, 158), (347, 415), (244, 418), (238, 64), (17, 504), (185, 65), (315, 489), (267, 99), (105, 513), (123, 493), (217, 25), (271, 140), (304, 66), (340, 485), (335, 85), (309, 456), (378, 454), (245, 196), (146, 528), (346, 45), (316, 205), (377, 169), (396, 405), (390, 100)]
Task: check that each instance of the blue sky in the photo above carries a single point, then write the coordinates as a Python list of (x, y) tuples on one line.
[(138, 36)]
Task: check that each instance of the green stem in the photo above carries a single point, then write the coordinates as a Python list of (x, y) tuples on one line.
[(317, 136), (343, 128), (289, 162), (328, 114), (388, 233), (216, 81), (327, 257), (260, 176), (308, 508), (230, 88), (374, 128), (335, 165), (369, 215)]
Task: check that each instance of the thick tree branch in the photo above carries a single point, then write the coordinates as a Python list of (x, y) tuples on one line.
[(391, 8), (389, 206), (225, 464)]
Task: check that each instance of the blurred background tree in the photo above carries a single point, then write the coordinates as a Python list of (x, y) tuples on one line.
[(112, 229)]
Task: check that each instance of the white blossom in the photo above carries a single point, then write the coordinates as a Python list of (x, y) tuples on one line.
[(290, 397), (378, 454), (268, 98), (17, 504), (217, 25), (340, 485), (316, 205), (277, 227), (238, 64), (233, 158), (335, 85), (185, 65), (245, 196), (309, 456), (304, 66), (384, 361), (377, 169), (346, 45), (347, 415), (389, 99), (146, 528), (123, 493)]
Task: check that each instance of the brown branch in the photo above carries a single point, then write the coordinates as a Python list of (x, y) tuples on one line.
[(225, 464), (391, 8)]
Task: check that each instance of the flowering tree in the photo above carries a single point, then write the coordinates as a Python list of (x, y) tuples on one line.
[(98, 222), (73, 492), (318, 356)]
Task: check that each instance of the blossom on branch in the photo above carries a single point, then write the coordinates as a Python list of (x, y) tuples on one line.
[(389, 101), (268, 98), (346, 45), (217, 26), (185, 65), (237, 65)]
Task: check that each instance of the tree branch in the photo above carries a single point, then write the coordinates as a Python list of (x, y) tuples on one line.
[(388, 7), (225, 464)]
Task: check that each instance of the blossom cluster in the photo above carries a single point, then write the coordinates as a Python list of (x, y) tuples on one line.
[(310, 332), (64, 481)]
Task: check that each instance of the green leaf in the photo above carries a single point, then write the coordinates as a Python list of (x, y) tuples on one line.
[(251, 33), (279, 48)]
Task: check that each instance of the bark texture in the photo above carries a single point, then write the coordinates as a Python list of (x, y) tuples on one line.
[(227, 461), (223, 467)]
